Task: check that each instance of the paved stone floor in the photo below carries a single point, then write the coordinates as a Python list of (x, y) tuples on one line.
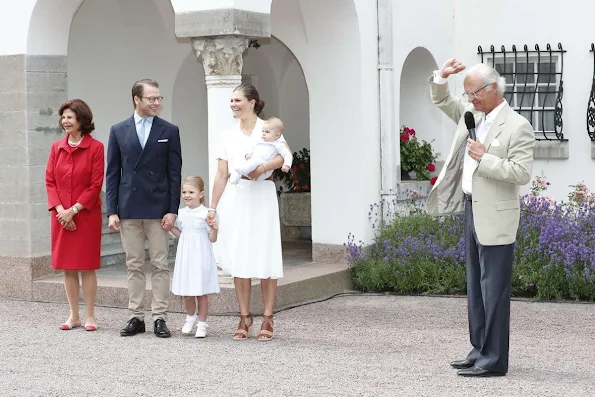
[(362, 345)]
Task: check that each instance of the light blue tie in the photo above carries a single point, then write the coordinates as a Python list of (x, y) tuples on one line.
[(141, 133)]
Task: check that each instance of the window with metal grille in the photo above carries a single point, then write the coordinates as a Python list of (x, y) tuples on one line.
[(534, 85), (591, 103)]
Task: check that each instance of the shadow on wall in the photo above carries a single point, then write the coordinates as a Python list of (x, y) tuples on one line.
[(416, 108), (189, 112)]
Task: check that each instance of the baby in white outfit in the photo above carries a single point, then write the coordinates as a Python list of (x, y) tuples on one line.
[(264, 150)]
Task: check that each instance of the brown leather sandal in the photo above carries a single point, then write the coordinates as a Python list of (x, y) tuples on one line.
[(243, 331), (266, 329)]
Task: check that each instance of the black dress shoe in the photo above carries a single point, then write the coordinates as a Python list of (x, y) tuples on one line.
[(462, 364), (134, 326), (479, 372), (160, 329)]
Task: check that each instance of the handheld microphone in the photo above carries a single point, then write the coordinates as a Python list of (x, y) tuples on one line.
[(470, 123)]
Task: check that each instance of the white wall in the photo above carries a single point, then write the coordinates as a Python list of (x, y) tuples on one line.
[(14, 26), (334, 42), (540, 22), (427, 24), (282, 85)]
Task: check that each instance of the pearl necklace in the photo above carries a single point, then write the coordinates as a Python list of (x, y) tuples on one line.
[(74, 144)]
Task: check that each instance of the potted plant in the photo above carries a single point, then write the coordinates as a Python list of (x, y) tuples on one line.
[(416, 156), (297, 180)]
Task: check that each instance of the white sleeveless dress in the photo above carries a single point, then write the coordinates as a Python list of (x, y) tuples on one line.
[(195, 271), (249, 240)]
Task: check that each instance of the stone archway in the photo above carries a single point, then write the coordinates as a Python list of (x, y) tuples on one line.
[(416, 108), (30, 116), (281, 83)]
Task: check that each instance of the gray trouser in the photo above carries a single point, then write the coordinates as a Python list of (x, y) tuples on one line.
[(489, 276)]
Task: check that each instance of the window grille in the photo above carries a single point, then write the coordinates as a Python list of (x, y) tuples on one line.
[(534, 85), (591, 104)]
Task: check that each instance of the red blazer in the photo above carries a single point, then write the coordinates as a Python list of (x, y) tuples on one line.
[(75, 174)]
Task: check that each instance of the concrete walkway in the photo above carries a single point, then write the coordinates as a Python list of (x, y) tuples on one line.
[(362, 345)]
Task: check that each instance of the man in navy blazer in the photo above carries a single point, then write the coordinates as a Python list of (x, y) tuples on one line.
[(143, 177)]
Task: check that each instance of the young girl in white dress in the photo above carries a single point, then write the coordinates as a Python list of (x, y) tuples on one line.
[(195, 271)]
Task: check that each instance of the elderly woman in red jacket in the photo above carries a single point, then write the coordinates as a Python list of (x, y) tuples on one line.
[(73, 178)]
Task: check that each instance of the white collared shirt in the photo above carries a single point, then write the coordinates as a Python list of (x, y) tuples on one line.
[(481, 131), (137, 121)]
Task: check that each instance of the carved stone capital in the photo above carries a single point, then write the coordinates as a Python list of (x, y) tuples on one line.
[(221, 55), (223, 81)]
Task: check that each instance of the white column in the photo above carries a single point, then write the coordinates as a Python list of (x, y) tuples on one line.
[(222, 60)]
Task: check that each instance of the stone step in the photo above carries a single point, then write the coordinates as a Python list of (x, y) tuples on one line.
[(112, 254), (300, 284), (108, 237)]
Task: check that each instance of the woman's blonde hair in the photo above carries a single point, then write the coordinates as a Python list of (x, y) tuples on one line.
[(198, 183)]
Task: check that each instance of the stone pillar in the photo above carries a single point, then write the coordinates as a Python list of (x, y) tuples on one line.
[(222, 59), (32, 88)]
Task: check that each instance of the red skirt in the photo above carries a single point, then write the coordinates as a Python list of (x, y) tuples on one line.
[(79, 249)]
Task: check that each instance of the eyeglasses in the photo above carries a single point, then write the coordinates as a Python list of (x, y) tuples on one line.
[(469, 96), (153, 99)]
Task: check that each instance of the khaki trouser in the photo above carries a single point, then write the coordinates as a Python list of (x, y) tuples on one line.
[(134, 232)]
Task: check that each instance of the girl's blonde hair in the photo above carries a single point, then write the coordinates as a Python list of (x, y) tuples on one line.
[(198, 183)]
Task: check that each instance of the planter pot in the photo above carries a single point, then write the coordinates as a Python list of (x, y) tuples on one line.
[(296, 216), (296, 209)]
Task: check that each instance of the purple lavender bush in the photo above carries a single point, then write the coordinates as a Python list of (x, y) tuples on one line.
[(417, 253)]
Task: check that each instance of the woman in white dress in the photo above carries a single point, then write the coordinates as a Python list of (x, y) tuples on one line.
[(195, 271), (249, 244)]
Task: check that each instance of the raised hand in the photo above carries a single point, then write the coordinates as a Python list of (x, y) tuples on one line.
[(452, 66)]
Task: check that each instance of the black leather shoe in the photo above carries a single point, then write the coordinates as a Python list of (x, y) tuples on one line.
[(134, 326), (160, 329), (462, 364), (478, 372)]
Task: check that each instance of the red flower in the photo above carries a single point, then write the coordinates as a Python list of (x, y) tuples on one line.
[(297, 188), (431, 167), (302, 166), (405, 137), (306, 187), (433, 180), (411, 131)]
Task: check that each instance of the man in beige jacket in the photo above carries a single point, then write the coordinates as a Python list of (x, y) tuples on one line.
[(481, 178)]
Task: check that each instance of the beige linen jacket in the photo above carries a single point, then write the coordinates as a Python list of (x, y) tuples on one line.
[(506, 166)]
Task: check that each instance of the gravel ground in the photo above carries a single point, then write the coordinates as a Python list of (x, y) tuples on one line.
[(362, 345)]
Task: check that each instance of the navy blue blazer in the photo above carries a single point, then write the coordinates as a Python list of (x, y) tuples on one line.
[(143, 183)]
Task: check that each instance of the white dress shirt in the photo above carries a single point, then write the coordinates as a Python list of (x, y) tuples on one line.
[(481, 131), (149, 124)]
